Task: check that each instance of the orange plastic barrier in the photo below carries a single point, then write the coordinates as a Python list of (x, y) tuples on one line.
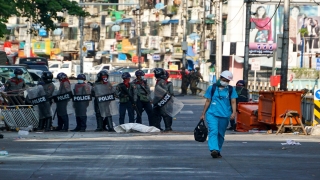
[(247, 119), (273, 104)]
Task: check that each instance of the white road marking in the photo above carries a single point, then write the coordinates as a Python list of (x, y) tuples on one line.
[(186, 112)]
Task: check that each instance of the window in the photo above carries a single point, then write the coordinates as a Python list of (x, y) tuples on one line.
[(72, 33), (106, 67), (154, 28), (54, 66), (174, 29), (125, 29), (109, 33), (96, 34), (65, 66), (142, 30), (8, 72), (224, 26)]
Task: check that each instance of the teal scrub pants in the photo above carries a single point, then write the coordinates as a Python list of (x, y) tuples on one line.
[(217, 127)]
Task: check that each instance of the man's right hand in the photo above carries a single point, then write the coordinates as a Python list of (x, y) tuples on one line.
[(202, 117)]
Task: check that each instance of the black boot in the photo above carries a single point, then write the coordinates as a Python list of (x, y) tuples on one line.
[(99, 124), (167, 123), (48, 124), (110, 124), (105, 124), (77, 129), (41, 125), (65, 120)]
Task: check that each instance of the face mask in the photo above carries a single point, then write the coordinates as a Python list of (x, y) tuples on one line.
[(80, 81), (19, 76), (224, 84), (142, 77)]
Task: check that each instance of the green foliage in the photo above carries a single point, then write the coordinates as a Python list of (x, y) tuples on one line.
[(303, 31), (301, 73), (41, 12)]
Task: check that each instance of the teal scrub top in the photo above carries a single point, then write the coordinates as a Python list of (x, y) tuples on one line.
[(220, 103)]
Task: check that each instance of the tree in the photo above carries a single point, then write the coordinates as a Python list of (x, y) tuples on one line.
[(42, 12)]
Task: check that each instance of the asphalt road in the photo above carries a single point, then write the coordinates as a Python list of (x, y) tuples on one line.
[(102, 155)]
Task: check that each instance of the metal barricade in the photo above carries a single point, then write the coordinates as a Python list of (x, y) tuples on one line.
[(15, 113), (19, 116)]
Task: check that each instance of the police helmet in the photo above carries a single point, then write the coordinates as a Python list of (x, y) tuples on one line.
[(102, 73), (125, 75), (47, 76), (61, 76), (81, 76), (139, 73), (159, 73), (18, 71)]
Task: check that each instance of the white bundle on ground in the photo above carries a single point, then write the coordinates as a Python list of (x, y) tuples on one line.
[(135, 127)]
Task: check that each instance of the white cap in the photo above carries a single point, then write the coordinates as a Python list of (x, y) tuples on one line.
[(227, 74)]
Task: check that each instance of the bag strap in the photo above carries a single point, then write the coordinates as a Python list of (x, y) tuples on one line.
[(213, 89)]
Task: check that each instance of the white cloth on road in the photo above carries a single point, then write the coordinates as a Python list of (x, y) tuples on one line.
[(135, 127)]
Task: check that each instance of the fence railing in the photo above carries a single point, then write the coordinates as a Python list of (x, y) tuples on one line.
[(307, 104)]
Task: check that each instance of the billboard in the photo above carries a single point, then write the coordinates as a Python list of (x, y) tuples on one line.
[(262, 29), (267, 22)]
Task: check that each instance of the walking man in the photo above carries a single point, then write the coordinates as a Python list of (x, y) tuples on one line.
[(219, 108)]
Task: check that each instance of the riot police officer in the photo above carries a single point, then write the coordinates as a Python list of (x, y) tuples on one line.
[(184, 81), (15, 85), (127, 95), (61, 99), (166, 118), (144, 99), (104, 96), (46, 79), (161, 83), (81, 98)]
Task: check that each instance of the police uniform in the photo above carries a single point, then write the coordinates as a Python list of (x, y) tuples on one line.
[(185, 82), (45, 108), (105, 120), (14, 86), (143, 100), (157, 111), (125, 103), (80, 107), (61, 107)]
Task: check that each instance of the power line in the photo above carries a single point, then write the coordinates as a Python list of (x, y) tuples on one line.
[(270, 18), (236, 14), (316, 2)]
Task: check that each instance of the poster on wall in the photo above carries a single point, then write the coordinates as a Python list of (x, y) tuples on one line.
[(262, 30)]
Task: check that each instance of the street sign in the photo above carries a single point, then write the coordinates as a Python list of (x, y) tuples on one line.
[(317, 94), (156, 57), (255, 65), (318, 64), (84, 49)]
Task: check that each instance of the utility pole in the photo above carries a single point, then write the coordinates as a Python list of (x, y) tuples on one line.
[(184, 43), (246, 42), (138, 34), (285, 46), (81, 23), (203, 35), (218, 12)]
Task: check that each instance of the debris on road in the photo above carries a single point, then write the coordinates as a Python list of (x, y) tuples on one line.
[(291, 142)]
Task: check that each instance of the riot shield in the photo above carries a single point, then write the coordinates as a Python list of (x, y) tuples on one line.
[(36, 95), (105, 98), (62, 96), (168, 104)]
